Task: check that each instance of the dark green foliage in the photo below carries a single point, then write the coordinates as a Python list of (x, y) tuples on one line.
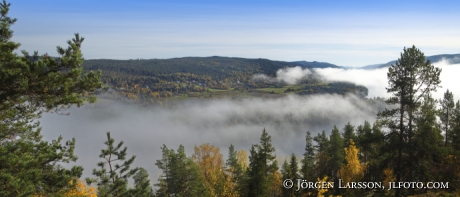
[(308, 161), (455, 126), (236, 170), (29, 86), (337, 154), (410, 79), (429, 142), (30, 167), (262, 166), (445, 115), (114, 170), (181, 176), (322, 155), (348, 134), (142, 187)]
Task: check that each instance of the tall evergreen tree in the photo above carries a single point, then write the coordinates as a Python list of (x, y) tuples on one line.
[(286, 174), (348, 133), (308, 161), (235, 170), (337, 154), (409, 79), (262, 167), (142, 187), (429, 143), (181, 176), (30, 86), (322, 155), (455, 125), (445, 115)]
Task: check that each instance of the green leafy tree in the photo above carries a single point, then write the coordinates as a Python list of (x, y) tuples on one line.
[(409, 80), (30, 86), (113, 181)]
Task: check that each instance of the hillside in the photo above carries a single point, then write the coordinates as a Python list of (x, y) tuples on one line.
[(452, 58), (158, 80)]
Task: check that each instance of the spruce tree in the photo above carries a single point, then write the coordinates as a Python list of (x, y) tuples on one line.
[(337, 154), (308, 161), (142, 187), (181, 176), (262, 166), (348, 133)]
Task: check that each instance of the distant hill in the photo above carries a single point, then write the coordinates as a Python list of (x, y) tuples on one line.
[(212, 66), (316, 64), (452, 58)]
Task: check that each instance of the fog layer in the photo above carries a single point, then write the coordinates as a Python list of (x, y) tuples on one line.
[(224, 122), (218, 122)]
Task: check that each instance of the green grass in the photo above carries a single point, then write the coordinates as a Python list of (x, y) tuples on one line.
[(280, 90)]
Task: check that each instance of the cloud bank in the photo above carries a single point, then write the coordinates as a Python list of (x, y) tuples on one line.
[(218, 122), (289, 75)]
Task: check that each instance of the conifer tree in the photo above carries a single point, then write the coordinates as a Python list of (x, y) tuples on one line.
[(429, 142), (30, 86), (262, 166), (409, 80), (348, 133), (445, 115), (322, 155), (308, 161), (181, 176), (114, 170), (337, 155), (142, 185)]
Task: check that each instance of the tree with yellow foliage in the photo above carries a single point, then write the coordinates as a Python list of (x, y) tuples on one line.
[(210, 162), (81, 190), (353, 170)]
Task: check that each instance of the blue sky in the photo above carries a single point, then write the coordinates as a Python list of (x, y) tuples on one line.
[(346, 33)]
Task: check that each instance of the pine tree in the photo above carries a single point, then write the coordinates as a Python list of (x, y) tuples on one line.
[(409, 79), (113, 181), (30, 86)]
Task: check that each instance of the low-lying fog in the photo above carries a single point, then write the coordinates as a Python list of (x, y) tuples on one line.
[(224, 122)]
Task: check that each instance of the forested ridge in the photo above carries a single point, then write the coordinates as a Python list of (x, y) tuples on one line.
[(157, 81), (416, 141)]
